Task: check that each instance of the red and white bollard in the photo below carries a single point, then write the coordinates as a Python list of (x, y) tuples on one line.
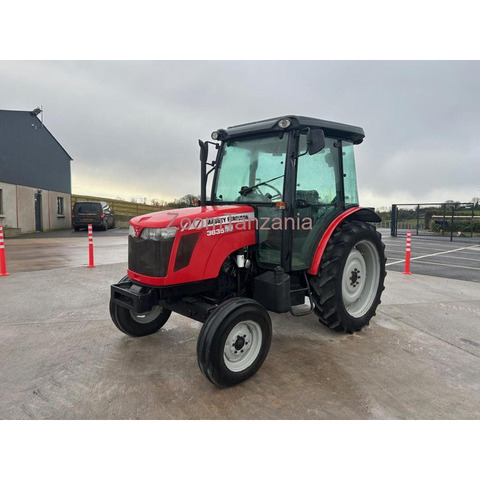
[(91, 263), (407, 254), (3, 264)]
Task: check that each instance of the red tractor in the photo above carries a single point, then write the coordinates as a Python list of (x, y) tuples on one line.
[(282, 232)]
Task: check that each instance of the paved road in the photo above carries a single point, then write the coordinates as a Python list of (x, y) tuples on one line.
[(45, 251), (65, 248), (62, 358), (437, 257)]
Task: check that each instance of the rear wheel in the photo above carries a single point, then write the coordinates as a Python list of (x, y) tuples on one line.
[(234, 341), (350, 279), (138, 325)]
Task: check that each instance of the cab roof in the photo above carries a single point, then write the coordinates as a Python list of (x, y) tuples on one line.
[(331, 129)]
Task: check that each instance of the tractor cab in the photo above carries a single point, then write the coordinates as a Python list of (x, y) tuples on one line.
[(297, 173)]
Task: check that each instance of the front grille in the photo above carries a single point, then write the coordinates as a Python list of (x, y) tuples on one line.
[(149, 257), (185, 250)]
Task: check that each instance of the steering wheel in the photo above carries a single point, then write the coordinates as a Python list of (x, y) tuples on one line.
[(278, 195)]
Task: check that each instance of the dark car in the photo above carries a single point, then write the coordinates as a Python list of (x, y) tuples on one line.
[(99, 214)]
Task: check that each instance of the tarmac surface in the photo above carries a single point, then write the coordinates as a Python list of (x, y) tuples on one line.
[(436, 256), (61, 356), (64, 248)]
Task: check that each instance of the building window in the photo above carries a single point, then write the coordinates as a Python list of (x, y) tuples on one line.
[(60, 210), (1, 201)]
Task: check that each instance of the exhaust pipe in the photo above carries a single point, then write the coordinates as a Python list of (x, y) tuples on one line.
[(203, 172)]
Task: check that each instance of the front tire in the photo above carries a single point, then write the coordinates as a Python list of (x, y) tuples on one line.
[(350, 280), (138, 325), (234, 341)]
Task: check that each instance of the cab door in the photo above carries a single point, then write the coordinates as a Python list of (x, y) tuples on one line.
[(319, 198)]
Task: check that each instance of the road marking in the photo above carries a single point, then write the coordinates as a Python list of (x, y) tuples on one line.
[(466, 259), (433, 254), (448, 265), (468, 256), (418, 247)]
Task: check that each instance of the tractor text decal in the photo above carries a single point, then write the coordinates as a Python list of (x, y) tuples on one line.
[(243, 221)]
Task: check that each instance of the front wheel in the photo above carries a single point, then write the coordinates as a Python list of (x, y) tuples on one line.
[(351, 276), (138, 325), (234, 341)]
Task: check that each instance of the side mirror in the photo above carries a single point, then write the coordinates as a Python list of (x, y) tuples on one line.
[(203, 151), (315, 141)]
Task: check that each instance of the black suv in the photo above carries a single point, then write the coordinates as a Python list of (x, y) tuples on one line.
[(98, 214)]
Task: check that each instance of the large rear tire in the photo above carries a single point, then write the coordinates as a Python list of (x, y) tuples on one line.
[(350, 280), (234, 341)]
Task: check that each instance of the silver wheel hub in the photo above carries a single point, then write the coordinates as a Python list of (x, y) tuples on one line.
[(360, 278), (242, 345), (147, 317)]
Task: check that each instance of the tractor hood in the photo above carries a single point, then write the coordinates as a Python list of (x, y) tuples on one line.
[(202, 239), (193, 218)]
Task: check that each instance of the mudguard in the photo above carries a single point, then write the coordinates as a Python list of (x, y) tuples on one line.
[(354, 213)]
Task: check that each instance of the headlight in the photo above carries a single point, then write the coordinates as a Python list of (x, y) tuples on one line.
[(284, 123), (158, 233)]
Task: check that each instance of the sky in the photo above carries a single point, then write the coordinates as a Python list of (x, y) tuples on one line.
[(132, 127)]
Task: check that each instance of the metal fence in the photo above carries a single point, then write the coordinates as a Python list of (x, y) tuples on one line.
[(435, 219)]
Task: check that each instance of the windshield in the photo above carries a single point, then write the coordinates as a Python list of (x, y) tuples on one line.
[(87, 208), (252, 170)]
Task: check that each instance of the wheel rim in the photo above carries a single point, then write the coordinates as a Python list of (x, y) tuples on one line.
[(360, 278), (148, 317), (242, 346)]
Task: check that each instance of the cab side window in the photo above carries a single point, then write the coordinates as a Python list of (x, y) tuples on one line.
[(318, 179)]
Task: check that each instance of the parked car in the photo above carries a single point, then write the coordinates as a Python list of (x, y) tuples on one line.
[(99, 214)]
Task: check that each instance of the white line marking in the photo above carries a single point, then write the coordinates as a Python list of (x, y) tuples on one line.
[(419, 247), (431, 255), (468, 254), (448, 265), (402, 245), (463, 258)]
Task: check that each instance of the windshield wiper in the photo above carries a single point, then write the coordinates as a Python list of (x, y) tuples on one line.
[(245, 190)]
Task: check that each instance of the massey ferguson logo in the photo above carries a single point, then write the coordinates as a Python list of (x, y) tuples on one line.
[(137, 230)]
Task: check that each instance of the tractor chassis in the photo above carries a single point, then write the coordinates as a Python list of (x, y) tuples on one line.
[(183, 299)]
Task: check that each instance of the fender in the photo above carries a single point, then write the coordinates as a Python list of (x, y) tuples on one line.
[(354, 213)]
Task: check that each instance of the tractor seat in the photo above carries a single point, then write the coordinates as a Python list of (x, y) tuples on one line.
[(310, 242)]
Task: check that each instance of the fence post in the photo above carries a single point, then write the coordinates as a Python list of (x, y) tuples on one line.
[(471, 223), (418, 217), (393, 224), (444, 219), (451, 226)]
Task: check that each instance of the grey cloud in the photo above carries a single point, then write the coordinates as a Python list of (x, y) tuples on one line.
[(136, 123)]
